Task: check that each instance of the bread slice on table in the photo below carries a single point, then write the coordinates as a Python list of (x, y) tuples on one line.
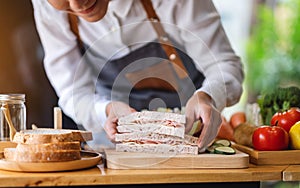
[(13, 154), (47, 145), (44, 135)]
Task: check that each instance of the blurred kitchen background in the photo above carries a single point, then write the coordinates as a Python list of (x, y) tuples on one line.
[(264, 33), (21, 63)]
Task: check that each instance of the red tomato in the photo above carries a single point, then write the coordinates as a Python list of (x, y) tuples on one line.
[(270, 138), (286, 119)]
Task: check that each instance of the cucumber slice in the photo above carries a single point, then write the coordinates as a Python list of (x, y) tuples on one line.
[(211, 148), (223, 142), (224, 150)]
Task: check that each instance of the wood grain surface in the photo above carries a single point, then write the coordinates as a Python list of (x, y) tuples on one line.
[(94, 176), (104, 176), (130, 160), (292, 173), (284, 157)]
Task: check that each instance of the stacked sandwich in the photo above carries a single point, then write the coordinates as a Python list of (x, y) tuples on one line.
[(47, 145), (154, 132)]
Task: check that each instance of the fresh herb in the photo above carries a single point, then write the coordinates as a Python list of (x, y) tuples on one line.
[(278, 100)]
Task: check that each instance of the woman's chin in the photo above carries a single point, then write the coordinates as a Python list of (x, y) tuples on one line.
[(92, 18)]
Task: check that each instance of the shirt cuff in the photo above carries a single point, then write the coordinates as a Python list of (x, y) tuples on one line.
[(216, 92), (100, 108)]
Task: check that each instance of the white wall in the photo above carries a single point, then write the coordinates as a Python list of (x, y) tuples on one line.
[(236, 20)]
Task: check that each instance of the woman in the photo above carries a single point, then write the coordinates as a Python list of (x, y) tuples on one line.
[(115, 71)]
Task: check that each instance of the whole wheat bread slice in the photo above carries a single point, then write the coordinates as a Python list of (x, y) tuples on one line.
[(13, 154), (48, 147), (44, 135)]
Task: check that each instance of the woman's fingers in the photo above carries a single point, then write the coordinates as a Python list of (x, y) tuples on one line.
[(111, 128)]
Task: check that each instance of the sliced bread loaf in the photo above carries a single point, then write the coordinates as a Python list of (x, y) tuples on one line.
[(45, 156), (48, 147), (44, 135)]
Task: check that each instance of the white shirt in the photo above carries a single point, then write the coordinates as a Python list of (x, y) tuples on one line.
[(195, 24)]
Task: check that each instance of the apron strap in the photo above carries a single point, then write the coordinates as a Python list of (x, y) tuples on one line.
[(73, 21), (163, 39)]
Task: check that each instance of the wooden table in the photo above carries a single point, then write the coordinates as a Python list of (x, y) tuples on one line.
[(248, 177), (95, 176), (291, 173)]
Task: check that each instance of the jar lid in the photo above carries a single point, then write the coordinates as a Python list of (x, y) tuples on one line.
[(12, 96)]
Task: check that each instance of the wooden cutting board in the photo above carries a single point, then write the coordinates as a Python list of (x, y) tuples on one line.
[(270, 157), (128, 160)]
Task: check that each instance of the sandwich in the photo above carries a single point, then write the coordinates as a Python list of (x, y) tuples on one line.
[(47, 145), (154, 132)]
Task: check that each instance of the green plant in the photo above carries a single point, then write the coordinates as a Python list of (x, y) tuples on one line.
[(278, 100), (273, 51)]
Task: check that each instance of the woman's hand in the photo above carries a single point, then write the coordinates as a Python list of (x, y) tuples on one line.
[(115, 110), (200, 107)]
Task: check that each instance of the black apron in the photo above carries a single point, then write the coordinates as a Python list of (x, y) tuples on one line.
[(122, 79)]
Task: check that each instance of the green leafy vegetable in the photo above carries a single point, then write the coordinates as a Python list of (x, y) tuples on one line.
[(279, 99)]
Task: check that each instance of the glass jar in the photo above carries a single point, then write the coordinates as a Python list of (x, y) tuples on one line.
[(16, 109)]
